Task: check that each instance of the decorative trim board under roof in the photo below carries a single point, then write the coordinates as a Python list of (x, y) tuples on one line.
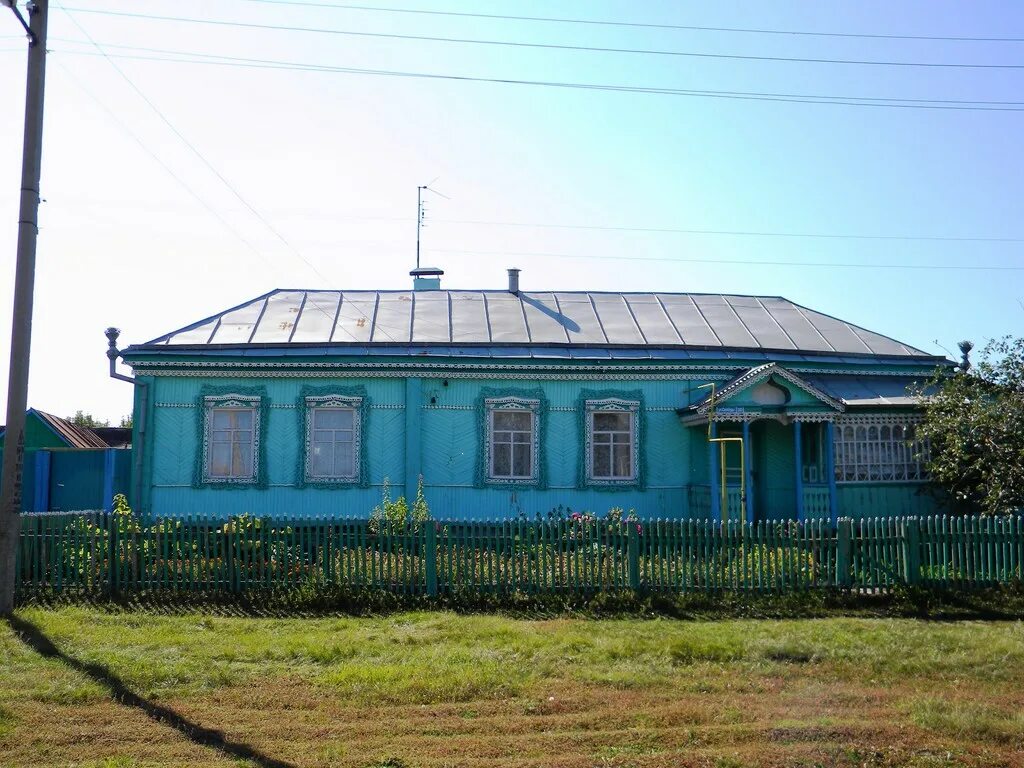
[(647, 322), (756, 375)]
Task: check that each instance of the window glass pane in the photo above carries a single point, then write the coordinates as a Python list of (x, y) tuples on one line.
[(220, 460), (502, 461), (602, 461), (621, 438), (521, 465), (344, 460), (321, 463), (518, 420), (222, 435), (221, 419), (522, 437), (611, 421), (241, 464), (623, 463), (323, 436), (333, 418)]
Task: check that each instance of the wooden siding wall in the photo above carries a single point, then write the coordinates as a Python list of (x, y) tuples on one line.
[(444, 450)]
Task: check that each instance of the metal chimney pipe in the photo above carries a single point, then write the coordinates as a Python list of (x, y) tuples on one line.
[(513, 280)]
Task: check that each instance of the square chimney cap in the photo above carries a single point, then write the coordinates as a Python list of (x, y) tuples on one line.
[(427, 272)]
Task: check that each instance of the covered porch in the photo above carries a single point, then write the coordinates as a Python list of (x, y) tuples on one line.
[(762, 449)]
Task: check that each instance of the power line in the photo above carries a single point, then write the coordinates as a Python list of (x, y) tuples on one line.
[(639, 25), (547, 46), (740, 233), (331, 215), (194, 150), (853, 101), (742, 262), (170, 172)]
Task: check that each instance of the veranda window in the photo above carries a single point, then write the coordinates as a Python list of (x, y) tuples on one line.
[(879, 452)]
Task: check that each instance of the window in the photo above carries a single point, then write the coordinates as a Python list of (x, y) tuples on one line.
[(232, 447), (812, 455), (512, 445), (231, 439), (879, 451), (611, 440), (333, 443), (333, 439)]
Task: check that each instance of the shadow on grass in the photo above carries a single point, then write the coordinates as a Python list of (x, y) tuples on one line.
[(34, 638)]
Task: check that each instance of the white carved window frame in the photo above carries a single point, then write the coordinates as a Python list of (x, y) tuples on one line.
[(341, 402), (232, 403), (879, 449), (612, 405), (495, 405)]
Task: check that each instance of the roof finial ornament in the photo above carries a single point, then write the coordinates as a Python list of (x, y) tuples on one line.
[(965, 350)]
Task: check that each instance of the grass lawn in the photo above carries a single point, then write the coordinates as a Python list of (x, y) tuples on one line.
[(439, 689)]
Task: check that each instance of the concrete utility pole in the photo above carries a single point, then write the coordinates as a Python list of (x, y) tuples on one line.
[(24, 284)]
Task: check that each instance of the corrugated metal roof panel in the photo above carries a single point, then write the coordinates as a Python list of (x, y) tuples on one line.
[(650, 315), (236, 326), (617, 320), (547, 323), (582, 326), (862, 390), (317, 321), (430, 322), (74, 436), (505, 318), (469, 317), (732, 325)]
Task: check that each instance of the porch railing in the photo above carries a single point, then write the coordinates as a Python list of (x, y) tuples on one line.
[(816, 502)]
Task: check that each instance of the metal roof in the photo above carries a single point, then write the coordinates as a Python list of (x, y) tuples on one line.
[(74, 436), (576, 320), (870, 391)]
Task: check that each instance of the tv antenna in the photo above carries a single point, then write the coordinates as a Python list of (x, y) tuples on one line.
[(421, 212)]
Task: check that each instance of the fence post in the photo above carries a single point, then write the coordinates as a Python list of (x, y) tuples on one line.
[(910, 531), (844, 552), (633, 552), (430, 556), (112, 554)]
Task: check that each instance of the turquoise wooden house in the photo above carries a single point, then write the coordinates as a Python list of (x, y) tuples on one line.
[(506, 402)]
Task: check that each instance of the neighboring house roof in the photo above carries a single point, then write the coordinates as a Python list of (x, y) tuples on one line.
[(75, 437), (378, 321), (115, 437), (71, 435)]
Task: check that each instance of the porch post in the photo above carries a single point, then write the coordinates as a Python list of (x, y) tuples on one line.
[(748, 472), (830, 467), (798, 456), (716, 502)]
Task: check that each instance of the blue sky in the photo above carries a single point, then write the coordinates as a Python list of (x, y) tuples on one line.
[(332, 161)]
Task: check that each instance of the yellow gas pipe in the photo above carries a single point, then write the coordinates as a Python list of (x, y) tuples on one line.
[(721, 459)]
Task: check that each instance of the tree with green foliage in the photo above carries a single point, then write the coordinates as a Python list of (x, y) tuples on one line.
[(82, 419), (974, 422)]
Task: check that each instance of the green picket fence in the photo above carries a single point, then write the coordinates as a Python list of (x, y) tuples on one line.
[(102, 553)]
